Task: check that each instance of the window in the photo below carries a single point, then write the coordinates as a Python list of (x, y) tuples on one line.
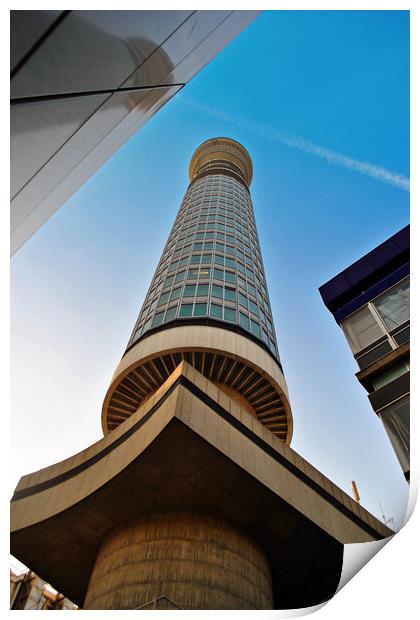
[(230, 315), (243, 321), (230, 294), (186, 310), (158, 319), (255, 328), (202, 290), (253, 307), (218, 274), (230, 277), (175, 293), (394, 305), (241, 282), (137, 334), (264, 336), (170, 313), (189, 290), (243, 300), (396, 419), (179, 276), (200, 309), (147, 324), (163, 299), (361, 329), (216, 311), (388, 375), (217, 291)]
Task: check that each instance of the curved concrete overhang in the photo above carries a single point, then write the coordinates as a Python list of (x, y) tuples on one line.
[(190, 447), (220, 355)]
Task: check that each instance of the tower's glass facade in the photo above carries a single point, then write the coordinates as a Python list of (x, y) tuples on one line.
[(208, 304), (211, 268)]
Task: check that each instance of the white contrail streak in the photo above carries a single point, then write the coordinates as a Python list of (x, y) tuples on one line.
[(363, 167)]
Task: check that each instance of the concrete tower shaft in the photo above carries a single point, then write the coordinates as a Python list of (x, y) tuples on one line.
[(208, 302)]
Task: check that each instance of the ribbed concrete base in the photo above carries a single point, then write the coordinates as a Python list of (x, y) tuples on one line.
[(195, 560)]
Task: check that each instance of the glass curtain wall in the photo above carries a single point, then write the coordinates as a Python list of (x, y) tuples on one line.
[(211, 265)]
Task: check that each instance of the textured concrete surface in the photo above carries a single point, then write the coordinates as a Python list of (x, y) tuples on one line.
[(190, 448), (195, 560)]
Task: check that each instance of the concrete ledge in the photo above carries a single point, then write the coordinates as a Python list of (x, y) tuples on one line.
[(190, 447), (198, 338)]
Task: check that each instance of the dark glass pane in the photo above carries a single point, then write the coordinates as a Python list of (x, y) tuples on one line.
[(243, 300), (189, 290), (168, 281), (158, 319), (230, 294), (230, 315), (244, 321), (163, 299), (217, 291), (255, 328), (200, 309), (175, 293), (216, 311), (170, 314), (202, 290), (253, 307), (186, 310)]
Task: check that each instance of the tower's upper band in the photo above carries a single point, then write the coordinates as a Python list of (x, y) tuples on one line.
[(221, 156)]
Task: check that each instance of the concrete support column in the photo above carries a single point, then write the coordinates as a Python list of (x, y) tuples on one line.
[(195, 560)]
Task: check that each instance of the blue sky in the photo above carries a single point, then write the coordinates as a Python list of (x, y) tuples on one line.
[(320, 100)]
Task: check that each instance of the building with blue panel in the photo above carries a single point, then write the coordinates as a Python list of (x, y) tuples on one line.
[(370, 300)]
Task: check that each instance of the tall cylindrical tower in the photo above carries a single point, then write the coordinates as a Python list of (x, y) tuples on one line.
[(208, 301), (188, 501)]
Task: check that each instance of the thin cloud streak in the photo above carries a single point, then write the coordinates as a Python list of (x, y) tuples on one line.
[(363, 167)]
